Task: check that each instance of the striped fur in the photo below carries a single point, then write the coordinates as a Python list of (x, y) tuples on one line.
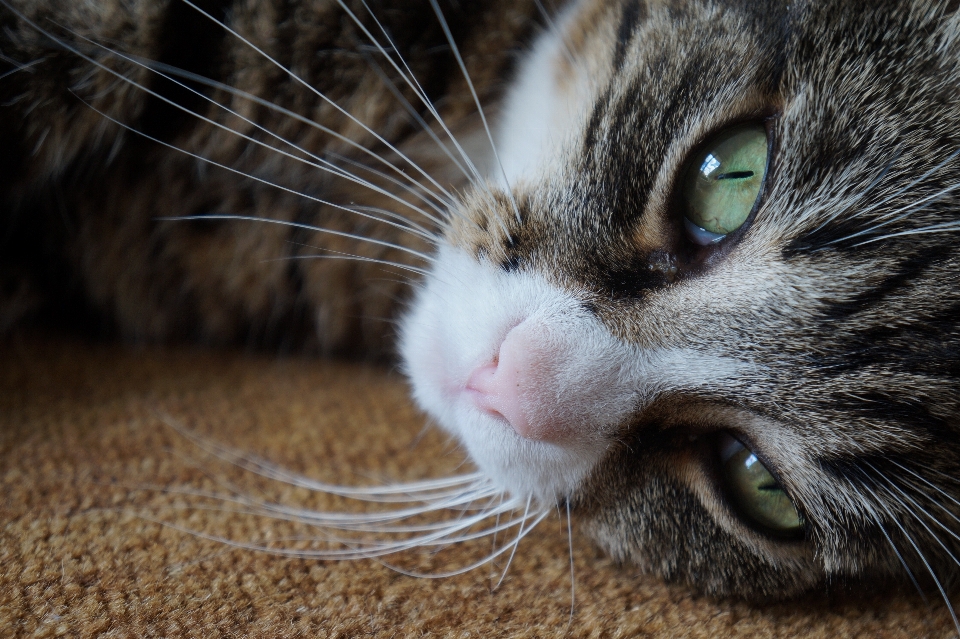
[(823, 334)]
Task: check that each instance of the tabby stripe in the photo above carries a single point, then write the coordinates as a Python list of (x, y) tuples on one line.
[(928, 348), (190, 41), (634, 12), (909, 270)]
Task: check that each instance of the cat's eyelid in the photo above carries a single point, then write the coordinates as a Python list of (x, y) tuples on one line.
[(729, 446)]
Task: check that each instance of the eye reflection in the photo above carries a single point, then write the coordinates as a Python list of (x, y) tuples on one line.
[(754, 491), (723, 182)]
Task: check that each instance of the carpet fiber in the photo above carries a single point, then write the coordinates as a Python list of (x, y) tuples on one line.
[(98, 491)]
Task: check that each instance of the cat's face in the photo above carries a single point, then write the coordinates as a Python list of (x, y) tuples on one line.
[(748, 382)]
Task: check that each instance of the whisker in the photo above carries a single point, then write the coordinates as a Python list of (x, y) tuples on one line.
[(442, 534), (442, 537), (935, 228), (320, 163), (309, 227), (387, 214), (420, 191), (912, 183), (896, 215), (426, 128), (862, 194), (18, 66), (347, 521), (515, 545), (360, 547), (573, 598), (920, 554), (939, 505), (231, 169), (346, 256), (414, 85), (487, 559), (320, 95), (552, 26), (271, 471), (476, 101), (876, 518), (928, 515), (411, 80)]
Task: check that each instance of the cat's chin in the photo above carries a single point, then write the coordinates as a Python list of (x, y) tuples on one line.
[(537, 432)]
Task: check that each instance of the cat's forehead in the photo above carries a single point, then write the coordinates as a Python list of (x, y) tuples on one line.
[(640, 89)]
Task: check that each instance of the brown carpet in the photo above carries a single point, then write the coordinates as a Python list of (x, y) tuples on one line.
[(82, 435)]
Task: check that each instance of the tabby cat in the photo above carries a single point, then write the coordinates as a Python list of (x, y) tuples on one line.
[(687, 266)]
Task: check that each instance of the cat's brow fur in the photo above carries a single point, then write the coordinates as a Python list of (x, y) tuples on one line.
[(838, 302)]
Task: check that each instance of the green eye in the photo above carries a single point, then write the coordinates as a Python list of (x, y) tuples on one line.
[(723, 183), (756, 495)]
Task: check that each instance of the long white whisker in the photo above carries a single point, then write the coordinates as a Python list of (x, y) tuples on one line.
[(323, 97), (573, 583), (477, 564), (876, 518), (309, 227), (919, 508), (228, 168), (476, 101), (320, 163), (357, 521), (416, 189), (349, 257), (932, 485), (324, 164), (426, 128), (378, 522), (935, 228), (271, 471), (414, 84), (516, 544), (411, 80), (902, 212), (18, 66), (472, 497), (916, 548), (552, 26)]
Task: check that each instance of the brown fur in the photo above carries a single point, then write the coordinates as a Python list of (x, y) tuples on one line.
[(854, 398), (95, 191)]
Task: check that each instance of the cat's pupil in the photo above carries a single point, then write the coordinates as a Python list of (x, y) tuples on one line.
[(735, 175)]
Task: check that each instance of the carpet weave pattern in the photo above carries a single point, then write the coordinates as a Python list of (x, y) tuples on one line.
[(92, 526)]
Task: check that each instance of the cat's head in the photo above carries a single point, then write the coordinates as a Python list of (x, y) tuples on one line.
[(716, 307)]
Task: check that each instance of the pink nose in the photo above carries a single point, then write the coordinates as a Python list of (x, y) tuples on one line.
[(507, 386)]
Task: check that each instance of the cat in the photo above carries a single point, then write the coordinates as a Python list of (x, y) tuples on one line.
[(686, 266)]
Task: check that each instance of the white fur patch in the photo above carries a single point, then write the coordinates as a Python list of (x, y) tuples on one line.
[(539, 116), (457, 323)]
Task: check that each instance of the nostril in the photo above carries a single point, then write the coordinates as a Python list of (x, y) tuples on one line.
[(481, 380), (498, 387)]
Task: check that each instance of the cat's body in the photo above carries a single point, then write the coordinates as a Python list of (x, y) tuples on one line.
[(586, 333), (88, 194)]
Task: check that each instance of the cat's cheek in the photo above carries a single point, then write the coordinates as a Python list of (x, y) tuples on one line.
[(522, 467)]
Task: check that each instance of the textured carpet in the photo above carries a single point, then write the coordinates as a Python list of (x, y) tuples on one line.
[(90, 467)]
